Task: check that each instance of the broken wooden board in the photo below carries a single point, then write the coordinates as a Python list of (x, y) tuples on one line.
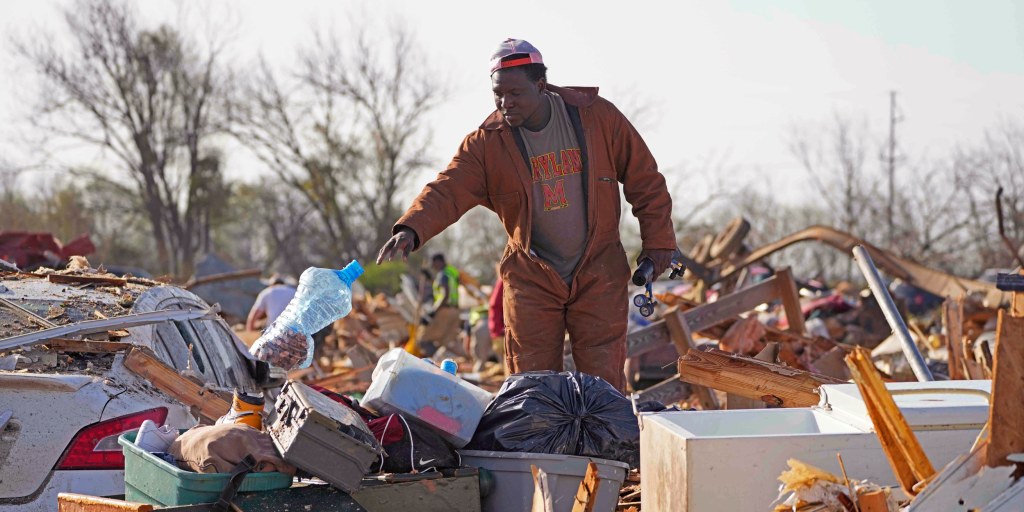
[(714, 319), (769, 354), (68, 502), (87, 346), (953, 321), (26, 314), (909, 462), (771, 383), (586, 495), (1006, 415), (205, 402), (684, 344), (790, 297), (77, 279), (668, 392), (543, 500)]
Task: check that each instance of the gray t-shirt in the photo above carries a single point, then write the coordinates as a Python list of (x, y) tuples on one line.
[(559, 232)]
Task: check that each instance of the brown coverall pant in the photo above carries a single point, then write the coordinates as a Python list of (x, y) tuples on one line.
[(540, 308)]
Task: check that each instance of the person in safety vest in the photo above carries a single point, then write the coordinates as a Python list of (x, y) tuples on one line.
[(443, 329)]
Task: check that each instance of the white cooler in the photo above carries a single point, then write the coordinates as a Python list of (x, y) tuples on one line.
[(731, 460)]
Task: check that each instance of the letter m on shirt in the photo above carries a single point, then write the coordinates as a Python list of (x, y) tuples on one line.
[(554, 197)]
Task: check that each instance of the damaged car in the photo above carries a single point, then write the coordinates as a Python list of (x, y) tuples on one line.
[(65, 393)]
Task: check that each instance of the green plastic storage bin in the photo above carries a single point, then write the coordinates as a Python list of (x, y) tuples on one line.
[(150, 479)]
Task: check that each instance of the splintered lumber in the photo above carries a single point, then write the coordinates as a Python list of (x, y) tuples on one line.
[(872, 501), (953, 321), (207, 403), (586, 495), (771, 383), (87, 346), (542, 498), (907, 458), (68, 502), (75, 279), (790, 301), (1006, 414), (668, 391), (224, 276), (683, 342), (26, 314)]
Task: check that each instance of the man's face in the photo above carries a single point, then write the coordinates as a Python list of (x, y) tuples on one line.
[(516, 97), (437, 265)]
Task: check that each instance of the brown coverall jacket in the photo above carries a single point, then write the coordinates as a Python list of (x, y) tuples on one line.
[(490, 169)]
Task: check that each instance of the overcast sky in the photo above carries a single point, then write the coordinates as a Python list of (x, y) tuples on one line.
[(728, 79)]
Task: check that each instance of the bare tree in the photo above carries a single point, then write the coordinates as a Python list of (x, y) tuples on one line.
[(979, 171), (146, 97), (834, 163), (347, 133)]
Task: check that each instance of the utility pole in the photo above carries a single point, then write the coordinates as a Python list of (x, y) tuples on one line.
[(890, 215)]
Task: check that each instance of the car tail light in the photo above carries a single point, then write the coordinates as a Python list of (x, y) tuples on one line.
[(95, 446)]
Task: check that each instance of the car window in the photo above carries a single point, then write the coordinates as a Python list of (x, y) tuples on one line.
[(232, 365), (169, 336), (212, 346)]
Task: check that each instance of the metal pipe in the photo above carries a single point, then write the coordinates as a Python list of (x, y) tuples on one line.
[(899, 327)]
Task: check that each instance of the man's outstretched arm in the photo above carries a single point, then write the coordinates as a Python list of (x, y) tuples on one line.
[(442, 202)]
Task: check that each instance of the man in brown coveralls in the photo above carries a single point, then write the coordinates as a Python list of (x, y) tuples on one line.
[(548, 161)]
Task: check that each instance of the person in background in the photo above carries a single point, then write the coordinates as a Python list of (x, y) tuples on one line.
[(270, 302), (443, 329), (496, 320), (478, 337)]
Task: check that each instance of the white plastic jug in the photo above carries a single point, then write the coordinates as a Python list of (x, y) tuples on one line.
[(404, 384)]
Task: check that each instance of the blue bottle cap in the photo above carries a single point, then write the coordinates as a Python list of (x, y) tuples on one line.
[(450, 366), (351, 272)]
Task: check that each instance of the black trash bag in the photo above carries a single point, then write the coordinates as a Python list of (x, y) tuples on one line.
[(569, 413), (419, 448)]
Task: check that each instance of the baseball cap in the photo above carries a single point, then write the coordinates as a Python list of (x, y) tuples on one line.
[(531, 55)]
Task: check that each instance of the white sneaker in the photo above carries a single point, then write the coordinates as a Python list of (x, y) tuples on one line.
[(155, 439)]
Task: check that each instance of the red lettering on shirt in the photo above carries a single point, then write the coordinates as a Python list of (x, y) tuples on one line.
[(554, 198), (549, 166)]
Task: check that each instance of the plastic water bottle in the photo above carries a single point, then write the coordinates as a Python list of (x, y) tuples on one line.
[(323, 296), (450, 366)]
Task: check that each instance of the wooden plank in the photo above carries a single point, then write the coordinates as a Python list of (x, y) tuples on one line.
[(953, 321), (586, 495), (769, 354), (206, 403), (224, 276), (771, 383), (68, 502), (647, 339), (907, 458), (1006, 414), (731, 305), (668, 391), (87, 346), (681, 336), (26, 315), (786, 289), (75, 279), (872, 501), (684, 344), (542, 498), (657, 335)]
